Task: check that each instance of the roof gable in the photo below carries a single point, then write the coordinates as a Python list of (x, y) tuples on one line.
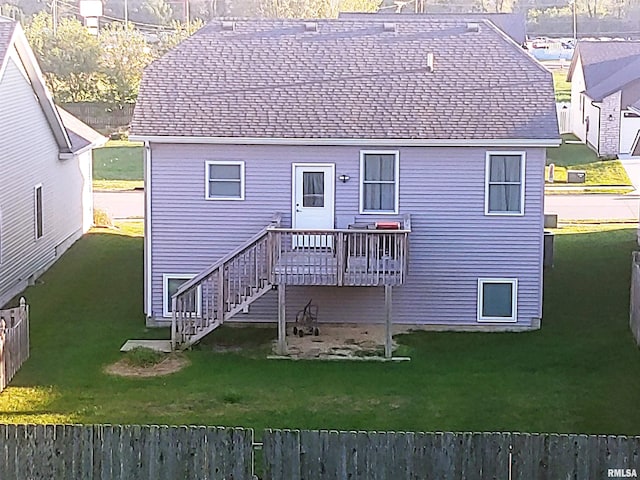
[(82, 136), (12, 36), (347, 79)]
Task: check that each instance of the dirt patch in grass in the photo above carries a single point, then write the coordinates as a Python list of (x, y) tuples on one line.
[(170, 364), (336, 341)]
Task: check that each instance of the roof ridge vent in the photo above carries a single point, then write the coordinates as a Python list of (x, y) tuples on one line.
[(310, 26), (389, 27), (473, 27), (228, 25), (430, 62)]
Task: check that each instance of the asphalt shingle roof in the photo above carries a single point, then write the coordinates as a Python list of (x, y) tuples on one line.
[(348, 79), (609, 66)]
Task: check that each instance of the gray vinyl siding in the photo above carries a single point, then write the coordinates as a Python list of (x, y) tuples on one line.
[(453, 242), (29, 156)]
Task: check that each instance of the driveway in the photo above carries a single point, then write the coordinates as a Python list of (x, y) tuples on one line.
[(120, 204)]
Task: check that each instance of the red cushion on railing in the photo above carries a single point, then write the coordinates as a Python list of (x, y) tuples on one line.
[(388, 225)]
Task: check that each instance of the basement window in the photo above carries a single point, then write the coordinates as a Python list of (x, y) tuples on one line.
[(171, 282), (497, 299)]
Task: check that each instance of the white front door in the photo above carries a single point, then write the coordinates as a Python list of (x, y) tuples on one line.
[(313, 196)]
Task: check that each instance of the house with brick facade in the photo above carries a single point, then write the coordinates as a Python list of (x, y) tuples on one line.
[(605, 96)]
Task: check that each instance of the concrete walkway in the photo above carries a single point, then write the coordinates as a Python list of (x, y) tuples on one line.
[(632, 166)]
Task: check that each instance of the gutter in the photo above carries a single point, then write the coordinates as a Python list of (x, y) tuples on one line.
[(358, 142)]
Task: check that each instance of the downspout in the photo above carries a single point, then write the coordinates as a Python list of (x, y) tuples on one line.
[(597, 105), (147, 231)]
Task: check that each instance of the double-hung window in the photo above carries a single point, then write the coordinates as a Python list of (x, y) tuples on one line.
[(224, 180), (497, 299), (379, 186), (504, 183)]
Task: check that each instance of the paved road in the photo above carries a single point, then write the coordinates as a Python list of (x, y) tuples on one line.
[(119, 205), (568, 207), (593, 207)]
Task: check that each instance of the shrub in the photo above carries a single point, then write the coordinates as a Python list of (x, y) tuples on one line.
[(143, 357), (101, 218)]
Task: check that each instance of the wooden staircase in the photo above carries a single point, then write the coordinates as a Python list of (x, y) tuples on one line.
[(226, 288)]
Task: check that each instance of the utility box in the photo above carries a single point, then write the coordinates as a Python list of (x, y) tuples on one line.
[(550, 220), (547, 261), (576, 176)]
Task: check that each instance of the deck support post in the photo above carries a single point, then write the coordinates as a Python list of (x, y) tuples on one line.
[(388, 307), (282, 322)]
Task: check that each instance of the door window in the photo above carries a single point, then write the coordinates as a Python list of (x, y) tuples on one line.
[(313, 189)]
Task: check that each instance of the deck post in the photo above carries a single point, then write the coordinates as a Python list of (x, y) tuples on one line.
[(282, 323), (388, 320)]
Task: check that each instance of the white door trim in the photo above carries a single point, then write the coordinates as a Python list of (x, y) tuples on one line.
[(332, 166)]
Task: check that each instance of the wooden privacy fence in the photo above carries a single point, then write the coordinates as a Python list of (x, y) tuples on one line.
[(443, 456), (102, 116), (634, 308), (14, 341), (105, 452)]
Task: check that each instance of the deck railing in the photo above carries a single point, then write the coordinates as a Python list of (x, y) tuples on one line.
[(286, 256), (340, 257)]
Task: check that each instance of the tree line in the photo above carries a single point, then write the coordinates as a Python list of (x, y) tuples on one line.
[(81, 67), (107, 68)]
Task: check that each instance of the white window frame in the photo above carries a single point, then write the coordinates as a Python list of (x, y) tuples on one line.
[(35, 210), (396, 173), (514, 300), (487, 173), (207, 180), (165, 287)]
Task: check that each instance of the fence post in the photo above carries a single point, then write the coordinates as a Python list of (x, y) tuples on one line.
[(3, 383)]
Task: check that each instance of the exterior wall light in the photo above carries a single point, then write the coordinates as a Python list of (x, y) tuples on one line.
[(344, 178)]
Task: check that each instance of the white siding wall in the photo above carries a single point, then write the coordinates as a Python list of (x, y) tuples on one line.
[(577, 87), (29, 156), (453, 243)]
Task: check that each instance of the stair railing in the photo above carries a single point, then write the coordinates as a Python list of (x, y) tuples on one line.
[(225, 288)]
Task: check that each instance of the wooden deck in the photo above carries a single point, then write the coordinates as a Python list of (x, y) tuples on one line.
[(338, 257), (277, 257)]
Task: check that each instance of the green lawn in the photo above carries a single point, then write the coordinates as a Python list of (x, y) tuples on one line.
[(578, 374), (561, 86), (118, 166), (577, 156)]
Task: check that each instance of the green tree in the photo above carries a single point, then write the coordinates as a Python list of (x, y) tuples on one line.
[(314, 8), (68, 58), (179, 31), (125, 54)]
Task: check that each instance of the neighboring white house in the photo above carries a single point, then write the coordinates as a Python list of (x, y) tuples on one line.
[(605, 96), (45, 169)]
